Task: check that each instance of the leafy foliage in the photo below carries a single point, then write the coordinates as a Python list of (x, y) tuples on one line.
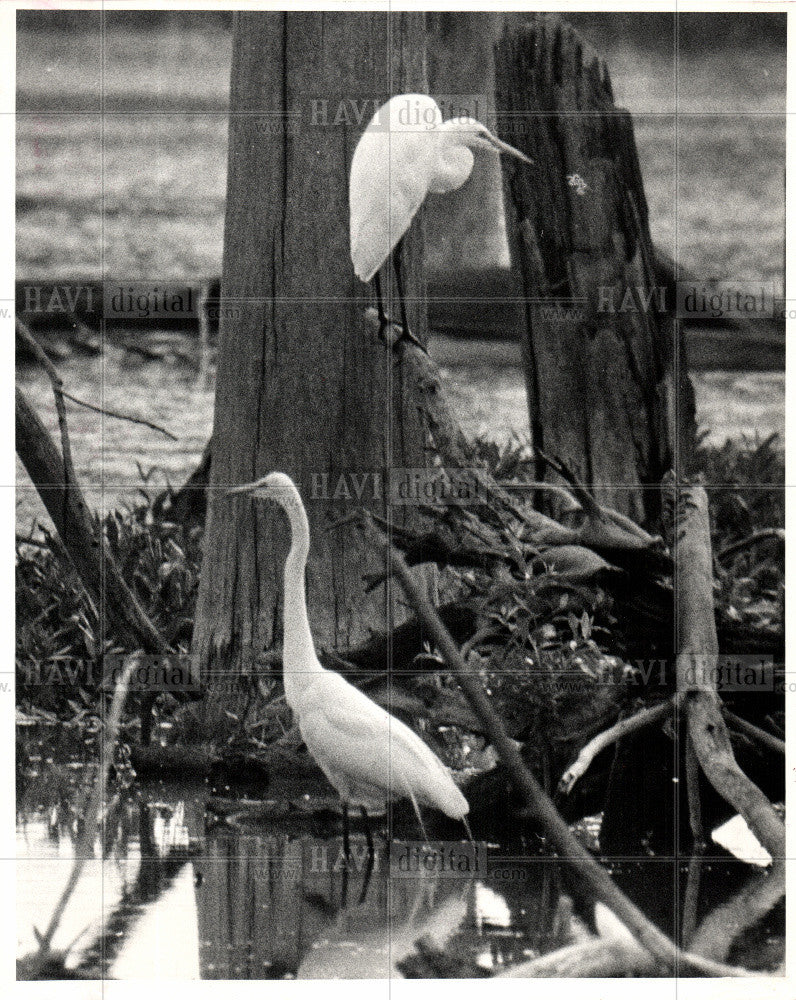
[(547, 633), (746, 490), (61, 635)]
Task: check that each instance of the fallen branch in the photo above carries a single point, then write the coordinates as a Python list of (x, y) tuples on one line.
[(56, 482), (614, 954), (694, 880), (70, 479), (539, 804), (697, 665), (423, 383), (646, 717), (82, 538), (750, 541), (613, 528), (726, 923)]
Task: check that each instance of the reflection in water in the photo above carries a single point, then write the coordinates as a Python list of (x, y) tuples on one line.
[(173, 894), (362, 944), (143, 878), (272, 906), (176, 898)]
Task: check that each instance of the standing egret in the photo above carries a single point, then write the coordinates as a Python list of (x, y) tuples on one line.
[(368, 755), (405, 152)]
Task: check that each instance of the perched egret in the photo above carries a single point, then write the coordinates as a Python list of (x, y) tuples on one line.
[(405, 152), (368, 755)]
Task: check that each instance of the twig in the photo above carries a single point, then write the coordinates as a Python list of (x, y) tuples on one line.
[(37, 543), (646, 717), (106, 411), (694, 800), (766, 739), (60, 394), (538, 802), (590, 506), (602, 518), (203, 374), (754, 539), (85, 846), (691, 897), (70, 478)]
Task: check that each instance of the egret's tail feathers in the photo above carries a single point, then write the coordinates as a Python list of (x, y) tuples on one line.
[(431, 783), (451, 801)]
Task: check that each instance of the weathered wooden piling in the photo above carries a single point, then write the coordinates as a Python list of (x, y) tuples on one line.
[(605, 368)]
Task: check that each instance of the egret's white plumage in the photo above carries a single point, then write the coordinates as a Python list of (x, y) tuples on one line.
[(368, 755), (406, 152)]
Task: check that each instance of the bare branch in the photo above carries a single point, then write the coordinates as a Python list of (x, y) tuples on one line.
[(539, 805), (107, 412), (750, 541), (646, 717), (697, 664), (758, 734)]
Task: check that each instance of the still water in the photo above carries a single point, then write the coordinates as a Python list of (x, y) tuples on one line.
[(258, 889), (187, 883)]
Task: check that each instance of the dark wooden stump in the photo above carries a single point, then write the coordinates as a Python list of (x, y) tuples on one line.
[(605, 370)]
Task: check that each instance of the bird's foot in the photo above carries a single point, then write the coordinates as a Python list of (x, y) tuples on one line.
[(392, 332), (406, 334)]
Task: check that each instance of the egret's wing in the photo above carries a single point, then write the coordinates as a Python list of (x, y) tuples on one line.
[(350, 735), (389, 180)]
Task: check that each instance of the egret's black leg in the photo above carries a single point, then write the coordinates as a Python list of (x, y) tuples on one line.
[(344, 888), (366, 880), (383, 320), (346, 840), (368, 835), (371, 856), (397, 266)]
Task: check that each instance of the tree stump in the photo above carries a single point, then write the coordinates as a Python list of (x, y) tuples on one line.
[(605, 369), (304, 385)]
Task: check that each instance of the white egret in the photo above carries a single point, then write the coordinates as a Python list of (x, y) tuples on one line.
[(406, 152), (368, 755)]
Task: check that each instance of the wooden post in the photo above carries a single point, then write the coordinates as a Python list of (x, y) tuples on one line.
[(304, 385), (605, 371)]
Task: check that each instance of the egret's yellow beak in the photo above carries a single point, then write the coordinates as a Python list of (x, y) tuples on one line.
[(245, 488), (503, 147)]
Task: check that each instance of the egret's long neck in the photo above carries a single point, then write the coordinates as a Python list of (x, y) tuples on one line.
[(298, 655)]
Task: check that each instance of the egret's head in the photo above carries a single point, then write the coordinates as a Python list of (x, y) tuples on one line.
[(476, 136), (275, 486)]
